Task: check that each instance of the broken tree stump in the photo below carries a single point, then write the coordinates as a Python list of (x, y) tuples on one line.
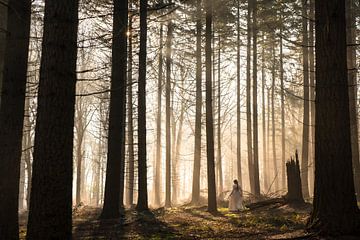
[(294, 180)]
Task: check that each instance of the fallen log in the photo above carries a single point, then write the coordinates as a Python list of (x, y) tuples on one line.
[(265, 203)]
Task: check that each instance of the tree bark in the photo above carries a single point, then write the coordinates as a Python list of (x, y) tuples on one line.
[(114, 188), (248, 99), (276, 181), (51, 192), (3, 27), (305, 138), (131, 164), (158, 182), (168, 130), (219, 159), (312, 95), (238, 101), (264, 135), (142, 204), (212, 205), (282, 96), (12, 114), (256, 190), (352, 76), (333, 155), (197, 153)]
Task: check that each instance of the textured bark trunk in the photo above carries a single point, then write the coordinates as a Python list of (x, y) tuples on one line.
[(167, 105), (158, 182), (142, 204), (212, 205), (79, 160), (294, 193), (113, 198), (238, 101), (197, 153), (3, 27), (130, 136), (282, 96), (248, 100), (51, 192), (256, 190), (352, 76), (12, 114), (218, 155), (264, 135), (305, 138), (176, 180), (333, 155), (312, 95), (275, 180)]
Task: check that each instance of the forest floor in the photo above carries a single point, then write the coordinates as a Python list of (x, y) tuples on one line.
[(277, 221)]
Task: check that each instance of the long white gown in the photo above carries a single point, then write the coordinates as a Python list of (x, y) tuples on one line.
[(235, 201)]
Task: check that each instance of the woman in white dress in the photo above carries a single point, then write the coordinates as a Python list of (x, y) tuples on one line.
[(235, 198)]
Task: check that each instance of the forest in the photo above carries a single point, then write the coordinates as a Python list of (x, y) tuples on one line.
[(179, 119)]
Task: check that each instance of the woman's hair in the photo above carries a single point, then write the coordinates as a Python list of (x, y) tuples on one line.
[(237, 184)]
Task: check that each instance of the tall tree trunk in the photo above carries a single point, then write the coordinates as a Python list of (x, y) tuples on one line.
[(116, 156), (248, 100), (282, 95), (51, 192), (312, 94), (333, 156), (276, 180), (255, 105), (212, 205), (158, 182), (12, 114), (238, 100), (197, 153), (3, 27), (219, 160), (352, 76), (130, 136), (142, 204), (79, 155), (176, 157), (264, 135), (168, 130), (27, 149), (305, 138)]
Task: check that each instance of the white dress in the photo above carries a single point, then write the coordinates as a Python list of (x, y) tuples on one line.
[(235, 201)]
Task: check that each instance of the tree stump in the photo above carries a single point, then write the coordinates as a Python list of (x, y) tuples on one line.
[(294, 180)]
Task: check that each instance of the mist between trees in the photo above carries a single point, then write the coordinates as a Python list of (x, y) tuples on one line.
[(162, 103)]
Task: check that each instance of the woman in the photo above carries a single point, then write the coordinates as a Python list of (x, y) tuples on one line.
[(235, 198)]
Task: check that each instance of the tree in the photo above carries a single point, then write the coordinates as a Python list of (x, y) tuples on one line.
[(256, 184), (197, 153), (333, 157), (264, 134), (248, 98), (238, 96), (158, 182), (116, 155), (130, 139), (12, 114), (142, 204), (51, 193), (273, 121), (3, 26), (351, 61), (212, 205), (305, 140), (167, 105)]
